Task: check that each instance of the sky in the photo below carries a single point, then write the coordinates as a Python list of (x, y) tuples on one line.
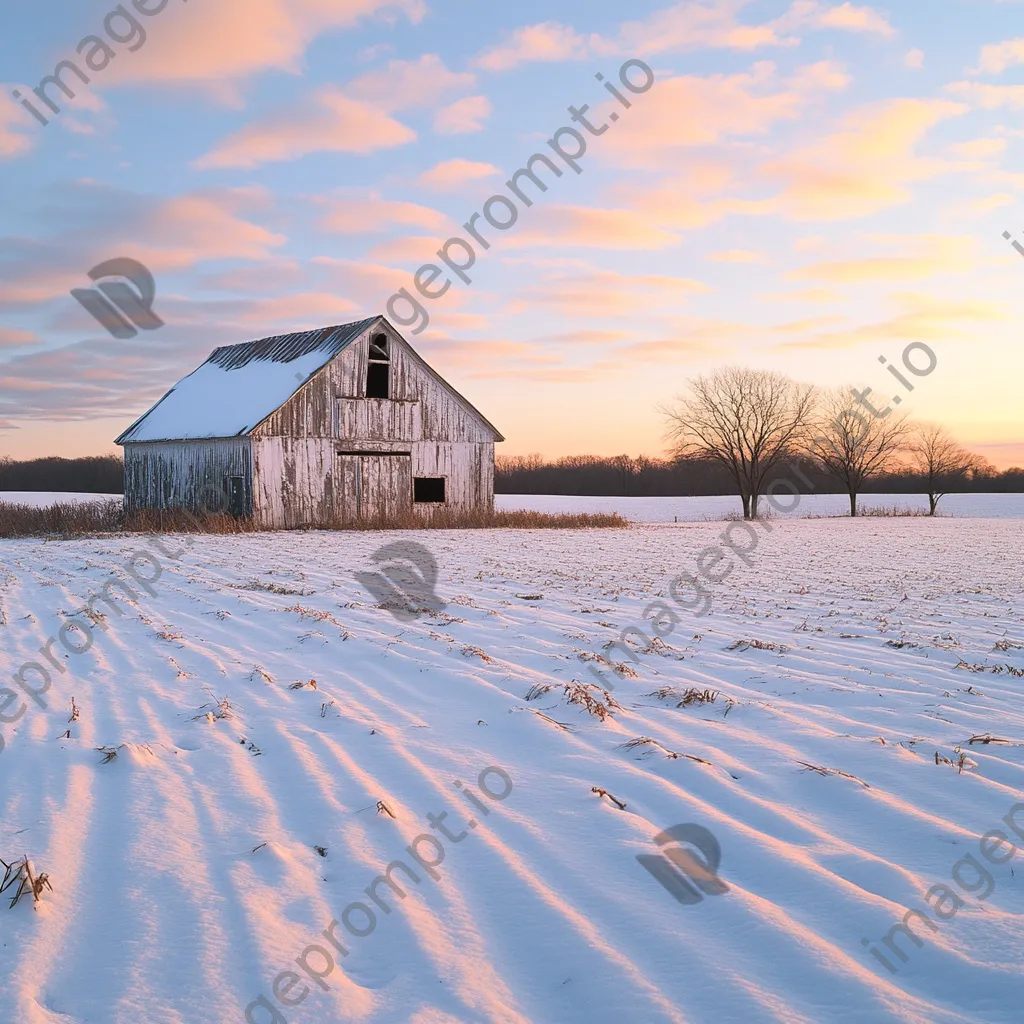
[(796, 185)]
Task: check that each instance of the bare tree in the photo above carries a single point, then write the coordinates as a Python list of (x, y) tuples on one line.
[(853, 444), (751, 421), (939, 459)]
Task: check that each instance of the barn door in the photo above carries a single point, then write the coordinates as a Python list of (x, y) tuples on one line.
[(236, 496), (374, 485)]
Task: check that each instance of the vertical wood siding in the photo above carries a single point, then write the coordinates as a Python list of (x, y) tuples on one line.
[(185, 474)]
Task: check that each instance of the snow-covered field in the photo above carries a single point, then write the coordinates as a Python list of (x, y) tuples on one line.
[(40, 499), (186, 874), (716, 507)]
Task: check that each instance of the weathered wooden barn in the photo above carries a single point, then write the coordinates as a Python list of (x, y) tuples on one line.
[(318, 428)]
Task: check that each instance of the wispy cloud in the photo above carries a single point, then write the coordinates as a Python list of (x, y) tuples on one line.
[(451, 175), (326, 121), (463, 116), (864, 167), (997, 57), (409, 84)]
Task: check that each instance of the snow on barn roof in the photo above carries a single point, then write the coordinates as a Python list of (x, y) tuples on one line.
[(239, 386)]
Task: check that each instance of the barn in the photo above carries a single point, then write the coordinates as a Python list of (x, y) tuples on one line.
[(319, 428)]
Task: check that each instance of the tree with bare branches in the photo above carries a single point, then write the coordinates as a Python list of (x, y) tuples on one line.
[(936, 457), (751, 421), (854, 445)]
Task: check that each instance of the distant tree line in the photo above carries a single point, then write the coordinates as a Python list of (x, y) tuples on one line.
[(640, 476), (96, 474)]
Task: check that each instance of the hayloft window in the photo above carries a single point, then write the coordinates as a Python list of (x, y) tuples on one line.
[(428, 489), (378, 368)]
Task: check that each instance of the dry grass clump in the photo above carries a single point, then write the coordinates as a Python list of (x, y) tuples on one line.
[(883, 512), (808, 767), (896, 511), (564, 726), (646, 741), (962, 762), (63, 520), (691, 695), (582, 695), (996, 669), (180, 521), (20, 872), (760, 645), (111, 753), (444, 518), (318, 616), (1007, 645), (621, 804), (538, 690), (219, 709), (270, 588)]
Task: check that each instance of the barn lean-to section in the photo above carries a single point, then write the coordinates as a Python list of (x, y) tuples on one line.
[(313, 429)]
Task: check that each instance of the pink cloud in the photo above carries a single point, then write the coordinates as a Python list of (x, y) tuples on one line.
[(298, 311), (15, 126), (996, 58), (864, 167), (463, 116), (590, 227), (225, 41), (547, 41), (326, 121), (11, 337), (180, 232), (989, 97), (813, 15), (452, 175), (406, 84), (688, 111), (368, 214)]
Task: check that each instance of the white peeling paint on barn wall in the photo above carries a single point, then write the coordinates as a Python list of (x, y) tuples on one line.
[(293, 480), (296, 472), (298, 481), (468, 468)]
